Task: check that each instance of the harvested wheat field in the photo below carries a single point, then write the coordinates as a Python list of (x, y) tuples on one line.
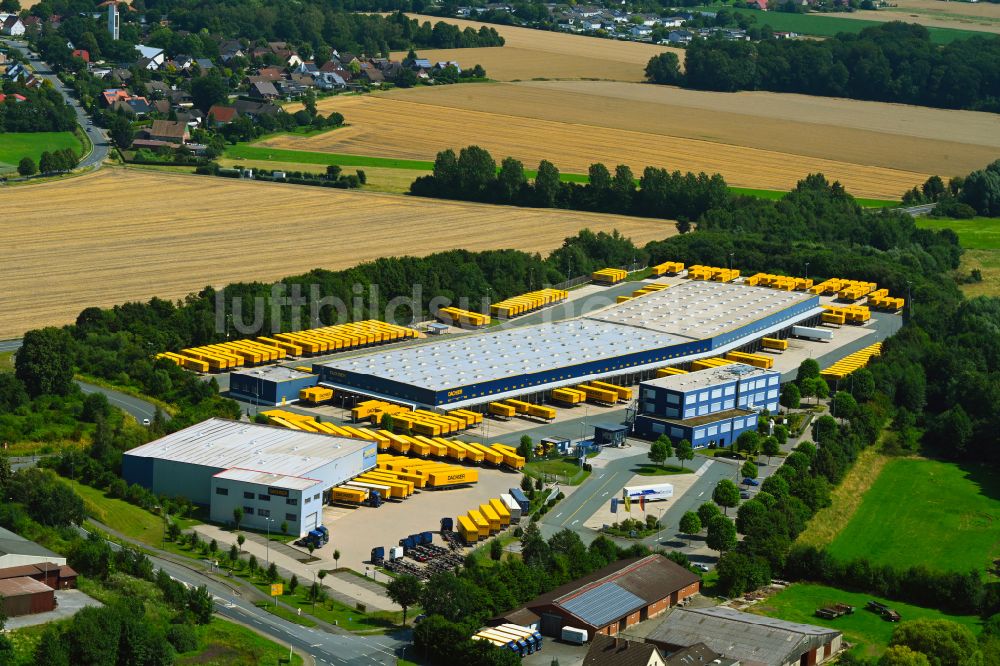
[(529, 54), (186, 232), (395, 126)]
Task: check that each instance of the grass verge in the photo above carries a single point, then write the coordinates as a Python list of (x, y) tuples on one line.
[(224, 643), (567, 469), (660, 470), (938, 514), (844, 500), (871, 634)]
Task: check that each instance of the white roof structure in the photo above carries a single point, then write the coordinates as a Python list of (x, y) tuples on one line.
[(496, 355), (700, 309), (700, 379), (274, 373), (225, 444), (268, 479)]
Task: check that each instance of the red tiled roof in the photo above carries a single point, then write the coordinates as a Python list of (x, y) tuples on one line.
[(222, 114)]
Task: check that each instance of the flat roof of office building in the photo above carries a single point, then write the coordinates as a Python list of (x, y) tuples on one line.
[(700, 379), (268, 478), (226, 444), (470, 359), (273, 373), (700, 310)]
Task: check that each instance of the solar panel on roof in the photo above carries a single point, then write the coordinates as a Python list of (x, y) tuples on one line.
[(603, 604)]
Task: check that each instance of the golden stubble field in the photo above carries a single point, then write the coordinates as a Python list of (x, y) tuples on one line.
[(978, 16), (529, 54), (520, 121), (124, 235)]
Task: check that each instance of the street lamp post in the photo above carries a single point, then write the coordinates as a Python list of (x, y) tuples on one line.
[(267, 544)]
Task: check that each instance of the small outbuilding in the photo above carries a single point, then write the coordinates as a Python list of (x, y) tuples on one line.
[(26, 596)]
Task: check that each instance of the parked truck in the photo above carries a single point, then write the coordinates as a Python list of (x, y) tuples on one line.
[(658, 491), (513, 507), (574, 635), (521, 499)]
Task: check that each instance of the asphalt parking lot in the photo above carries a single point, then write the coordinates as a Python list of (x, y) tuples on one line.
[(355, 531)]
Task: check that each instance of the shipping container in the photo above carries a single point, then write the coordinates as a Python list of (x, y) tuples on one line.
[(512, 506)]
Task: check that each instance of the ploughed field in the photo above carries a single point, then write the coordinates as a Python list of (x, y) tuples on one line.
[(753, 140), (120, 235)]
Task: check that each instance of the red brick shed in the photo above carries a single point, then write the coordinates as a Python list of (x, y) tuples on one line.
[(26, 596)]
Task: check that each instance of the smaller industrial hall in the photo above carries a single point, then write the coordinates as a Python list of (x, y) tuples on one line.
[(271, 385), (711, 406), (611, 599), (275, 475)]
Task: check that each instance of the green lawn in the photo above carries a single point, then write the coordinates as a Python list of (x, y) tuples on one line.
[(774, 195), (126, 518), (659, 470), (829, 25), (224, 643), (938, 514), (798, 603), (7, 360), (979, 233), (561, 467), (15, 145)]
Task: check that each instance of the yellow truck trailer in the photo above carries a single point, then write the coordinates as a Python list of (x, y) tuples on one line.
[(501, 510), (501, 410), (479, 520), (666, 372), (467, 529), (568, 396), (457, 476), (541, 412), (491, 517), (774, 344)]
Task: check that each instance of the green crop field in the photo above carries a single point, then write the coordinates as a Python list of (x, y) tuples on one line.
[(798, 603), (979, 233), (937, 514), (828, 26), (15, 145)]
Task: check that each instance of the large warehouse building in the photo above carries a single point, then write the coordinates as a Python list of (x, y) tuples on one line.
[(686, 322), (274, 474)]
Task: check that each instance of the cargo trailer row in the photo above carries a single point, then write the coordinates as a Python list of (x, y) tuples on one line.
[(668, 268), (756, 360), (782, 282), (667, 372), (609, 276), (428, 474), (316, 395), (712, 273), (852, 362), (463, 318), (310, 424), (845, 290), (525, 303), (841, 314), (373, 410), (706, 363), (342, 337), (774, 344), (520, 640)]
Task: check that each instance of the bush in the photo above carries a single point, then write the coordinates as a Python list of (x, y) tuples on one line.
[(182, 637)]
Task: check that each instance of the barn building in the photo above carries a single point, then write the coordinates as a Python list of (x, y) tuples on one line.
[(611, 599)]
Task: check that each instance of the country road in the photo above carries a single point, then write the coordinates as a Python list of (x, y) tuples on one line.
[(97, 137)]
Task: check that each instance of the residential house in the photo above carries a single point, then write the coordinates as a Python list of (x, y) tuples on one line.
[(158, 89), (757, 4), (308, 67), (289, 88), (170, 131), (204, 64), (220, 115), (82, 54), (255, 110), (32, 23), (263, 90), (121, 75), (151, 57), (161, 106), (16, 97), (640, 31), (183, 62), (270, 73), (746, 637), (230, 49), (700, 654), (12, 26), (608, 651), (371, 74), (680, 36), (330, 81), (445, 63), (673, 21), (422, 63)]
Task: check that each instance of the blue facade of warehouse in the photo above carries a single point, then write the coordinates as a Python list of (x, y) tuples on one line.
[(388, 388), (715, 411), (274, 385)]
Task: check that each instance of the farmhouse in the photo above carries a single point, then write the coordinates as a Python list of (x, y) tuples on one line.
[(610, 599), (12, 26), (747, 638), (171, 131), (221, 115)]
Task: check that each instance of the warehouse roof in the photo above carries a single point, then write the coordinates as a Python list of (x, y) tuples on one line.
[(751, 639), (225, 444), (700, 379), (268, 478), (273, 373), (700, 310), (15, 544), (511, 353)]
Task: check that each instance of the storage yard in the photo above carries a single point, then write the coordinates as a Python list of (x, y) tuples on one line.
[(113, 255)]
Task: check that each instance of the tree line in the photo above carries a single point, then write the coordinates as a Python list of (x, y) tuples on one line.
[(892, 62), (472, 175), (977, 193), (42, 110)]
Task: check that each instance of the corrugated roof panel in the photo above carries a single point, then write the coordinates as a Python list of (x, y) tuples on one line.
[(603, 604)]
